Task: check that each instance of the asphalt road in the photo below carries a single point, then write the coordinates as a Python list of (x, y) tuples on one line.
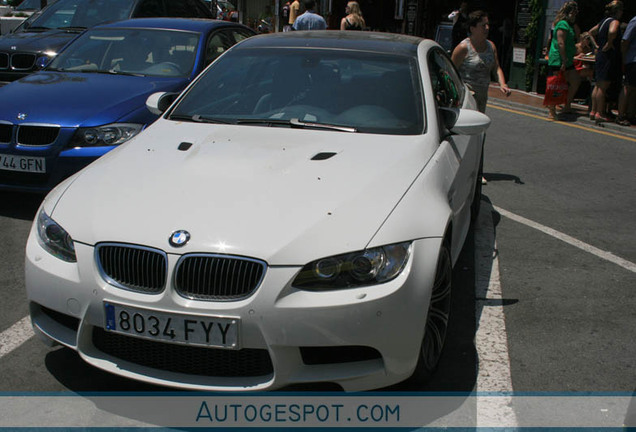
[(571, 314), (560, 206)]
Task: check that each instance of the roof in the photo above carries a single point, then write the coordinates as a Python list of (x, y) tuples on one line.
[(388, 43), (200, 25)]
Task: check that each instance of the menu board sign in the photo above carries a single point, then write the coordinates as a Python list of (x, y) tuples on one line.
[(524, 16)]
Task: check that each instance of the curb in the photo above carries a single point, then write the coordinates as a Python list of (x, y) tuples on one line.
[(581, 119)]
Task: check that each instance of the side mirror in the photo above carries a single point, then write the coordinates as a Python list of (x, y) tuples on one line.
[(465, 121), (158, 103), (42, 62)]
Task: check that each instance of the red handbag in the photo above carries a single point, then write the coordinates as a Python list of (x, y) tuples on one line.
[(556, 90)]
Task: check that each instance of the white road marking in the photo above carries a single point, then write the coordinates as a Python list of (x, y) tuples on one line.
[(491, 342), (608, 256), (15, 336)]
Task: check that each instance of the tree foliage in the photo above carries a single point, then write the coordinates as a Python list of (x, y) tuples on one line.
[(537, 11)]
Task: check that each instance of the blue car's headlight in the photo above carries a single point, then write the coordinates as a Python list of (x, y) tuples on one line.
[(367, 267), (54, 238), (108, 135)]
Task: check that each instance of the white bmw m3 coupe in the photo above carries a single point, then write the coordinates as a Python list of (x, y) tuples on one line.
[(292, 217)]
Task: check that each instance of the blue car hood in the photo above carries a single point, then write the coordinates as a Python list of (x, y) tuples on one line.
[(36, 42), (80, 99)]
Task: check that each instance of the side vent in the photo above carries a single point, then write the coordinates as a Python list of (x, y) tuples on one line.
[(185, 146)]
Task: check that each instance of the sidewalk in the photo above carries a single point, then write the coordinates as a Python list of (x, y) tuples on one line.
[(533, 104)]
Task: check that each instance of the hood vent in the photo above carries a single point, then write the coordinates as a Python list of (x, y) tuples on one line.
[(323, 156)]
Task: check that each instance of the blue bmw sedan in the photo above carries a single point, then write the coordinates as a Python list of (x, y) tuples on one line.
[(91, 98)]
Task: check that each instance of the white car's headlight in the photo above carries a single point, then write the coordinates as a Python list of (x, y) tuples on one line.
[(367, 267), (108, 135), (55, 239)]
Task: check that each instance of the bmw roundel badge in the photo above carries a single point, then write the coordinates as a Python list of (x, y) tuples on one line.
[(179, 238)]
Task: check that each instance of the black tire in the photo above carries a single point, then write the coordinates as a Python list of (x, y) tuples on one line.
[(437, 320), (476, 204)]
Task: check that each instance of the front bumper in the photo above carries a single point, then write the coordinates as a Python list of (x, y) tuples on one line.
[(360, 339), (7, 76), (59, 165), (59, 169)]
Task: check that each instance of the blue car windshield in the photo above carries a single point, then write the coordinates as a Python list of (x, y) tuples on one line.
[(148, 52), (31, 5), (362, 91), (79, 14)]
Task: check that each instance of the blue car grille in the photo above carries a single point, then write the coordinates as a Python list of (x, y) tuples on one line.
[(132, 267), (218, 277), (37, 135), (21, 61), (4, 61), (5, 133)]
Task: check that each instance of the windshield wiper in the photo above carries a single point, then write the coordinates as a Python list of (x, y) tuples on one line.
[(267, 122), (118, 72), (36, 29), (296, 123), (100, 71), (73, 28), (200, 119), (110, 71)]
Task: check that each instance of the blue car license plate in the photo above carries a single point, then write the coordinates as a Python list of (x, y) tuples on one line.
[(210, 331), (22, 163)]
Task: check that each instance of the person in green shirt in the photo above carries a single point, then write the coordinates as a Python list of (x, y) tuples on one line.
[(562, 52)]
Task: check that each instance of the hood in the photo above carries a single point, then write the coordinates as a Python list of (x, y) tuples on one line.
[(90, 99), (244, 190), (37, 42)]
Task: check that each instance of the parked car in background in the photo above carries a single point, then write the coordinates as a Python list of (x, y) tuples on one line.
[(292, 218), (45, 32), (91, 98)]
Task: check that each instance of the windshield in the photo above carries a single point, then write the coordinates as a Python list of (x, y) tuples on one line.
[(79, 14), (31, 5), (130, 51), (364, 91)]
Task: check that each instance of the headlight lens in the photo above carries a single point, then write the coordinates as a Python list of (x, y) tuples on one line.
[(367, 267), (55, 239), (108, 135)]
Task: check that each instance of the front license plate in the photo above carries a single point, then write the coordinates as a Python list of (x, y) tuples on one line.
[(220, 332), (22, 163)]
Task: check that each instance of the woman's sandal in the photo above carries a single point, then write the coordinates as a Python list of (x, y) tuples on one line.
[(623, 121), (598, 118), (592, 115)]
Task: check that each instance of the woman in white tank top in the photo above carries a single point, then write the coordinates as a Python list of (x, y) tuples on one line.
[(476, 59)]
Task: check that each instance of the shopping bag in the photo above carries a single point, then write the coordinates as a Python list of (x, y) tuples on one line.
[(556, 90)]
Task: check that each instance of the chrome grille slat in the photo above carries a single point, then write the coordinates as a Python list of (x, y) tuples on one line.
[(134, 268), (217, 277)]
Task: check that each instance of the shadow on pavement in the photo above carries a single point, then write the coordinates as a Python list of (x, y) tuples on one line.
[(17, 205), (502, 177)]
